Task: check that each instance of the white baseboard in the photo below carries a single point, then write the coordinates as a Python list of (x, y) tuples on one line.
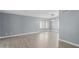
[(19, 34), (77, 45)]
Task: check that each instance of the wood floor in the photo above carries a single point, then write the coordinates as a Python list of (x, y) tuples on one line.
[(38, 40)]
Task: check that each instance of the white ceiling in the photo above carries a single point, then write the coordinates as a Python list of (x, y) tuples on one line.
[(34, 13)]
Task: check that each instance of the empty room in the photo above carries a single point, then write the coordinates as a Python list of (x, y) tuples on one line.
[(39, 28), (29, 28)]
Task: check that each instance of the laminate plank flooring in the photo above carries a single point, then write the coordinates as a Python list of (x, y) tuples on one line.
[(38, 40)]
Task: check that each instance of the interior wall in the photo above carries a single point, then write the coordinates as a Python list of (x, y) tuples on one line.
[(54, 24), (0, 24), (16, 24), (69, 26)]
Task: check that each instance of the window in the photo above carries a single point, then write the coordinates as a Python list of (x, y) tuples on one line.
[(47, 24), (44, 24)]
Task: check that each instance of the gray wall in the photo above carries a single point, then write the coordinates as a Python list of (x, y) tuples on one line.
[(0, 25), (16, 24), (1, 17), (69, 26)]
